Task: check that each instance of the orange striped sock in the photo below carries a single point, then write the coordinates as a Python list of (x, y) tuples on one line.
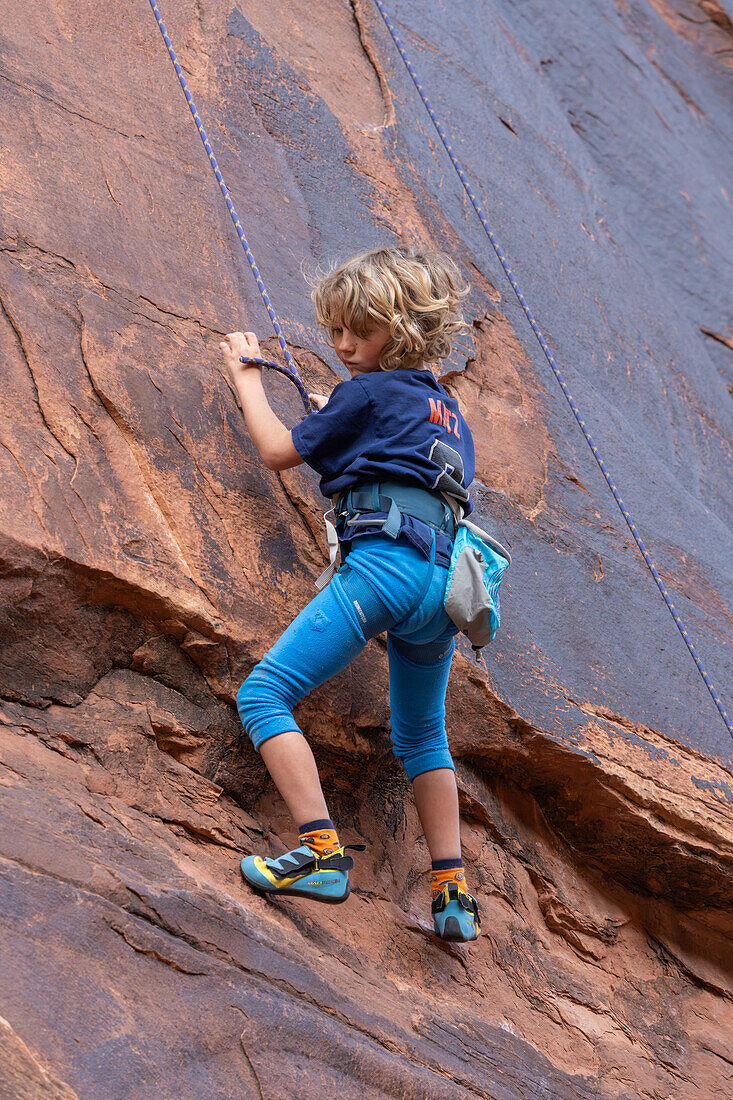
[(320, 835), (447, 871)]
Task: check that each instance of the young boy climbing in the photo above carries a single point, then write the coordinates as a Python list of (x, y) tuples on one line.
[(390, 446)]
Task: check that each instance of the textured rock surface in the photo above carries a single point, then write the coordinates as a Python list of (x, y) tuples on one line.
[(147, 558)]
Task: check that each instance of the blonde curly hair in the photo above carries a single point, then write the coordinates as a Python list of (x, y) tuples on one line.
[(415, 293)]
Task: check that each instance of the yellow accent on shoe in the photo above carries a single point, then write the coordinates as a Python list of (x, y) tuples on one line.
[(461, 890), (283, 883), (280, 883), (449, 915)]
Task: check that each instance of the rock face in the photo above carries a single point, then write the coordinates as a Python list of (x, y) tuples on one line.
[(147, 558)]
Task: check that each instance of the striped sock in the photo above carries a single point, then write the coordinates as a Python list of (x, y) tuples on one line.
[(320, 835), (445, 871)]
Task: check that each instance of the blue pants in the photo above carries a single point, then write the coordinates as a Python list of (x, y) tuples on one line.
[(387, 585)]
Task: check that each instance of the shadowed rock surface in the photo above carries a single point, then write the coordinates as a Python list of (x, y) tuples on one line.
[(147, 558)]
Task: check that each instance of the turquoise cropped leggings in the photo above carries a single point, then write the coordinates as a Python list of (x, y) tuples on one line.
[(387, 585)]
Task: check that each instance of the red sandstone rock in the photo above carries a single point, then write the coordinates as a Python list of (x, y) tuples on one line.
[(147, 559)]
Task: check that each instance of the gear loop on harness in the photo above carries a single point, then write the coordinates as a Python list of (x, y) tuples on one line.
[(550, 359)]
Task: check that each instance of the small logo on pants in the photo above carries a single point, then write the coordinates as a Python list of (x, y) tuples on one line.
[(319, 621)]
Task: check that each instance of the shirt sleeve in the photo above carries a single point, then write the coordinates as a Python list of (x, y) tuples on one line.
[(331, 432)]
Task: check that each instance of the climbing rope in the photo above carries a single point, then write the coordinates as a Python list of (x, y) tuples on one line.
[(291, 371), (548, 355)]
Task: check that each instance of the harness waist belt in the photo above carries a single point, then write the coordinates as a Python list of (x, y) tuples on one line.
[(394, 497), (355, 507)]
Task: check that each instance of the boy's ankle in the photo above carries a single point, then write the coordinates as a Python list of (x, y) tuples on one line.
[(320, 835), (445, 872)]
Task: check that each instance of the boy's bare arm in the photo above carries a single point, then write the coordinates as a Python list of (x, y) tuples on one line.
[(269, 435)]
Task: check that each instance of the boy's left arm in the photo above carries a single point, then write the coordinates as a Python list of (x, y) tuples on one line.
[(269, 435)]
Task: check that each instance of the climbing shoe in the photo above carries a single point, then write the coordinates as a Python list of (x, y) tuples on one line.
[(455, 914), (303, 873)]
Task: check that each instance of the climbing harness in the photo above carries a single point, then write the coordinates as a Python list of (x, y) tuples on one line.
[(381, 504), (291, 371), (548, 355), (477, 561)]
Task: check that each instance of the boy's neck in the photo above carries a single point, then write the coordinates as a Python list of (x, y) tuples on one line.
[(357, 372)]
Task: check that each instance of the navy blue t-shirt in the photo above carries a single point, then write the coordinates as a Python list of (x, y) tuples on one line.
[(391, 425)]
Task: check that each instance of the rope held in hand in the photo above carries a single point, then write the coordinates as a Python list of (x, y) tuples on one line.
[(548, 355), (291, 371)]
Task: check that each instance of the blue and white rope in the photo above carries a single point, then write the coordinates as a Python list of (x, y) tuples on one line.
[(548, 355), (291, 371)]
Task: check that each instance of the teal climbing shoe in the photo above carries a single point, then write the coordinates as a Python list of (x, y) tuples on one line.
[(303, 873), (455, 915)]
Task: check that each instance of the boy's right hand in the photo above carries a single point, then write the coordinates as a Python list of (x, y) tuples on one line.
[(236, 344), (318, 400)]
